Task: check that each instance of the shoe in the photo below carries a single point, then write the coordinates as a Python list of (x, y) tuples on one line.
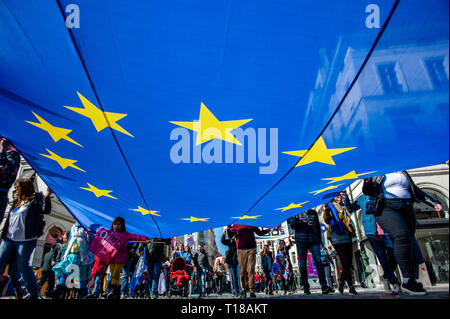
[(91, 296), (243, 295), (326, 290), (396, 290), (200, 296), (154, 296), (4, 285), (352, 291), (270, 293), (414, 288), (20, 293), (341, 287), (307, 292), (252, 295), (30, 296)]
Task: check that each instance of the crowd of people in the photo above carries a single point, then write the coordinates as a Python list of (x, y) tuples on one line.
[(141, 268)]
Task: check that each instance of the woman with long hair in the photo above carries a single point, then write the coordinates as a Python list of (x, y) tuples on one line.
[(284, 265), (340, 233), (19, 232)]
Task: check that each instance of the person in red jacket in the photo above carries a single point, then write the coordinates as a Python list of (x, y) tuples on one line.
[(119, 260), (246, 251)]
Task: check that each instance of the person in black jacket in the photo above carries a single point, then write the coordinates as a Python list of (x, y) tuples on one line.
[(47, 274), (20, 228), (202, 267), (396, 193), (154, 258), (9, 167), (308, 238), (231, 260)]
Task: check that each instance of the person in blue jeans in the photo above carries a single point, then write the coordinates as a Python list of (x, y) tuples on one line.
[(381, 244), (154, 258), (231, 260), (308, 237), (19, 231), (128, 268), (202, 267)]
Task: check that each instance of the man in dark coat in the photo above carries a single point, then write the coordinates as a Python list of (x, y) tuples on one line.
[(308, 238)]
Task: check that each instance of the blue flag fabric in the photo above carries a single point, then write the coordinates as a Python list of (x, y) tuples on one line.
[(182, 116)]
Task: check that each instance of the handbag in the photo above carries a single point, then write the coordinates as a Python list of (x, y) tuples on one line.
[(374, 206)]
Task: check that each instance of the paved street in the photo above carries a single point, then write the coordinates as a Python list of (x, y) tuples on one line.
[(436, 292)]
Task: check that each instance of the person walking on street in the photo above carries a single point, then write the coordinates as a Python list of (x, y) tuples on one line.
[(231, 259), (381, 244), (326, 261), (19, 232), (284, 265), (219, 273), (308, 238), (266, 264), (154, 258), (202, 268), (47, 275), (340, 233), (246, 251), (396, 194)]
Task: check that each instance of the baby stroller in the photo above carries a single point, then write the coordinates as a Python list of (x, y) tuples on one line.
[(179, 278)]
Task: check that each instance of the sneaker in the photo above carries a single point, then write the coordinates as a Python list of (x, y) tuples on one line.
[(414, 288), (396, 289), (4, 285), (30, 296), (252, 295), (326, 290), (352, 291)]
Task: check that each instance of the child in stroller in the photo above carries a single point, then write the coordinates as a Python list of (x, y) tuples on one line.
[(179, 278)]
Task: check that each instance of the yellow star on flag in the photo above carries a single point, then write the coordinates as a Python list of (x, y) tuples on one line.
[(291, 206), (98, 192), (144, 211), (351, 175), (248, 217), (318, 153), (195, 219), (63, 162), (56, 133), (209, 127), (100, 119), (325, 189)]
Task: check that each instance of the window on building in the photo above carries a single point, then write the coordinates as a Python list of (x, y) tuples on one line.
[(436, 72), (391, 78)]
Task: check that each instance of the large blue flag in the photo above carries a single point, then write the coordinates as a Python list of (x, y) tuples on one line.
[(182, 116)]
